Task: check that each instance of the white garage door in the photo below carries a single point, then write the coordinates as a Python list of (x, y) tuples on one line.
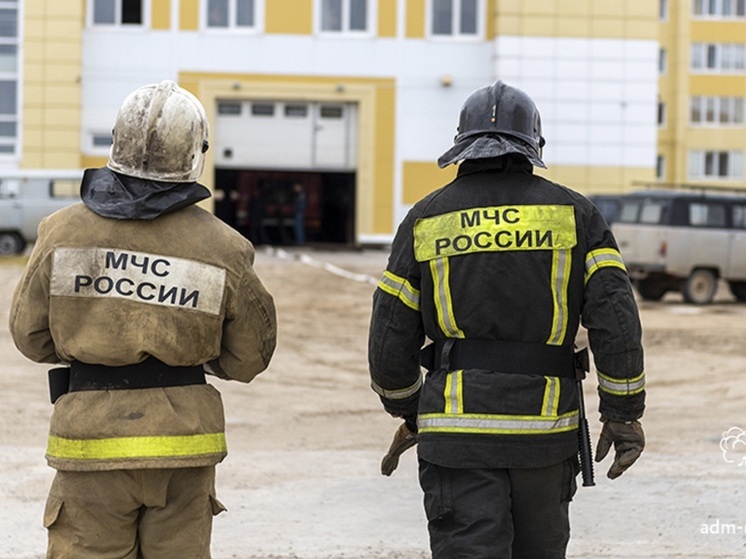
[(286, 135)]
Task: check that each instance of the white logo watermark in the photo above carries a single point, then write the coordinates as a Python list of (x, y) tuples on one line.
[(733, 445), (718, 528)]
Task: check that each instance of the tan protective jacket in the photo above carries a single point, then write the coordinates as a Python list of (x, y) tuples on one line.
[(180, 288)]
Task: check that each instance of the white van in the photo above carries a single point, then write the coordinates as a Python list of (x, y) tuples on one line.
[(683, 241), (26, 196)]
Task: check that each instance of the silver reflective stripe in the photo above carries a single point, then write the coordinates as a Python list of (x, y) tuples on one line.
[(496, 424), (602, 258), (439, 268), (621, 386), (400, 288), (561, 260), (398, 394)]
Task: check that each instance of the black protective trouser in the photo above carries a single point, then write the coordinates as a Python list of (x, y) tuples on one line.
[(520, 513)]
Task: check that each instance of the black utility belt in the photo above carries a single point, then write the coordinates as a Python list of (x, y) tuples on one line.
[(505, 357), (151, 373)]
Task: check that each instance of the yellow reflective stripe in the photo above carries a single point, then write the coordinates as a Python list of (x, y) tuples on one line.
[(454, 392), (400, 288), (136, 447), (602, 258), (490, 424), (439, 269), (495, 229), (399, 393), (550, 403), (621, 386), (561, 260)]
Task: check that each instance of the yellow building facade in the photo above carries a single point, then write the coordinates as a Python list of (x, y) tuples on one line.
[(702, 131), (375, 94)]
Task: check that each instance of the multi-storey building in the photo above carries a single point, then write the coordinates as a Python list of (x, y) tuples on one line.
[(702, 132), (354, 99)]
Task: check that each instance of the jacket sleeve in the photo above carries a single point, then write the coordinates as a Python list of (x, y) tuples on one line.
[(249, 329), (29, 309), (614, 332), (396, 330)]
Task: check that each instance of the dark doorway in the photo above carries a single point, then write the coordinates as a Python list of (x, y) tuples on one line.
[(268, 207)]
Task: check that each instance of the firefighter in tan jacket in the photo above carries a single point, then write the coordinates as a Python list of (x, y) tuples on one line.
[(139, 292)]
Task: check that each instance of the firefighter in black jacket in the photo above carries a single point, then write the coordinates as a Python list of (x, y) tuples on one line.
[(496, 271)]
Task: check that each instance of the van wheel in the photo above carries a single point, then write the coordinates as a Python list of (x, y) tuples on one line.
[(11, 243), (651, 290), (738, 288), (700, 287)]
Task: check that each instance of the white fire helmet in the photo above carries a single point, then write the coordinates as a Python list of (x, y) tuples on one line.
[(160, 134)]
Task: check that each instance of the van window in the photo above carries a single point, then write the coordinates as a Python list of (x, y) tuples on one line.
[(9, 188), (652, 212), (706, 215), (739, 217), (629, 211)]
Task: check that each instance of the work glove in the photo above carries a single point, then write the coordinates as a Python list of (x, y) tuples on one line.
[(404, 439), (628, 439)]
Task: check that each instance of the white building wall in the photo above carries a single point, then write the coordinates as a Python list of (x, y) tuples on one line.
[(115, 62), (597, 97)]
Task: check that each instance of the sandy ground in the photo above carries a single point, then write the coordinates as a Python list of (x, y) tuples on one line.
[(306, 437)]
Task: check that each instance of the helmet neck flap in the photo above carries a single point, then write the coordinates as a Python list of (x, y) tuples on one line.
[(116, 196)]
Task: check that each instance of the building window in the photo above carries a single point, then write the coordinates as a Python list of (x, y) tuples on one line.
[(231, 14), (662, 61), (719, 165), (719, 57), (719, 9), (262, 109), (661, 114), (296, 111), (9, 83), (332, 111), (232, 108), (101, 140), (345, 16), (117, 12), (663, 10), (455, 18), (716, 111)]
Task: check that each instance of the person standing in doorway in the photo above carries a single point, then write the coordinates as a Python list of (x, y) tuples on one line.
[(299, 213)]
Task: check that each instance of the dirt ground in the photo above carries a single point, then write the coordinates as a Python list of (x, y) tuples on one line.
[(306, 437)]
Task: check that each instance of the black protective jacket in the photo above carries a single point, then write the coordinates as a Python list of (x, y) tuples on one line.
[(514, 261)]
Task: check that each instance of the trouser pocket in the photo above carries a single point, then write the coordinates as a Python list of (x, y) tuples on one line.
[(216, 505), (570, 483), (437, 486), (52, 510)]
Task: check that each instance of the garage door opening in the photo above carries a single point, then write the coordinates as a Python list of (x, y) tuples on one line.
[(264, 206)]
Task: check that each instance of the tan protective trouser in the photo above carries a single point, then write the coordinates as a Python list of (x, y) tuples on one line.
[(132, 514)]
